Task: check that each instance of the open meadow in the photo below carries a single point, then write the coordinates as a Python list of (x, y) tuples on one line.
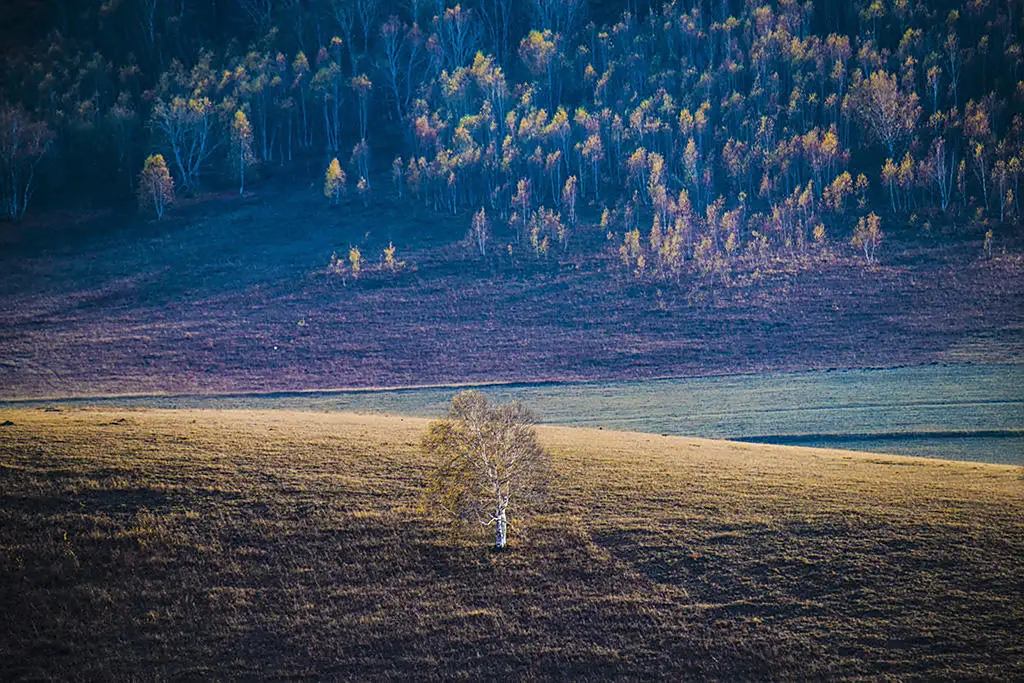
[(511, 340), (283, 544)]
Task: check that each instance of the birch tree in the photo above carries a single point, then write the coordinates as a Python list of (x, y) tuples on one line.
[(887, 112), (391, 33), (480, 230), (458, 32), (334, 182), (569, 199), (187, 126), (187, 120), (156, 187), (943, 171), (327, 83), (23, 142), (362, 86), (868, 235), (260, 13), (489, 466), (498, 18), (559, 16), (147, 10), (241, 146)]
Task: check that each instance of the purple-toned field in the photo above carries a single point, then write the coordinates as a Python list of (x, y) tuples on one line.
[(231, 294)]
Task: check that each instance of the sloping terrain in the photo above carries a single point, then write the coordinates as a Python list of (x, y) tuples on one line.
[(232, 294), (283, 544)]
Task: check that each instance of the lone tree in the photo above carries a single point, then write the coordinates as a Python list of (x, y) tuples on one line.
[(156, 187), (868, 235), (241, 145), (480, 230), (334, 182), (355, 261), (489, 465)]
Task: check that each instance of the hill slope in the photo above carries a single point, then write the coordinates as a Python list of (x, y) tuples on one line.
[(198, 543), (231, 294)]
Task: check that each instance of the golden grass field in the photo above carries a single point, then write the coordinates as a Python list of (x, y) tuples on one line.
[(277, 544)]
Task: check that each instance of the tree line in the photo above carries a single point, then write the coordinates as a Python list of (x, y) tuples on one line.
[(692, 133)]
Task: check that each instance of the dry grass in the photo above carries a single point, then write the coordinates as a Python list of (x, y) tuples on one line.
[(86, 308), (234, 544)]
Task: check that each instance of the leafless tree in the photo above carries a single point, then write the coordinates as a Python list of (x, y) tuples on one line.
[(148, 20), (295, 12), (497, 16), (392, 33), (943, 169), (353, 15), (459, 31), (259, 12), (366, 10), (558, 16), (480, 231), (23, 142), (489, 464), (344, 12)]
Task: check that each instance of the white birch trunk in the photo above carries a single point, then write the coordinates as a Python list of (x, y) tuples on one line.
[(501, 529)]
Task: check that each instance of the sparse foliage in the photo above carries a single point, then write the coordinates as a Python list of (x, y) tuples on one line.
[(489, 467), (389, 261), (480, 231), (334, 182), (23, 142), (241, 143), (156, 187), (868, 235), (355, 261), (336, 266)]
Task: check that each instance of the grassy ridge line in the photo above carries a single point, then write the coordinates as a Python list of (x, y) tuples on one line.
[(554, 435), (271, 393), (285, 543), (355, 389)]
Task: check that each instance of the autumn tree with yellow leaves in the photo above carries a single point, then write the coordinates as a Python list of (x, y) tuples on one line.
[(764, 113), (334, 182), (867, 236), (241, 145), (156, 187)]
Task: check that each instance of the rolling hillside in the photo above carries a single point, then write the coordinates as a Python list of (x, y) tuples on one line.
[(232, 294), (283, 544)]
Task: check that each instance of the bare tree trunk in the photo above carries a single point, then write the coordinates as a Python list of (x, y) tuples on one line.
[(501, 529)]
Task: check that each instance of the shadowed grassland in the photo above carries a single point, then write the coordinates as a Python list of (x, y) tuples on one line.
[(252, 543), (112, 303)]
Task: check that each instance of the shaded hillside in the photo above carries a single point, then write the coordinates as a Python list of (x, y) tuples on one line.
[(233, 294)]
